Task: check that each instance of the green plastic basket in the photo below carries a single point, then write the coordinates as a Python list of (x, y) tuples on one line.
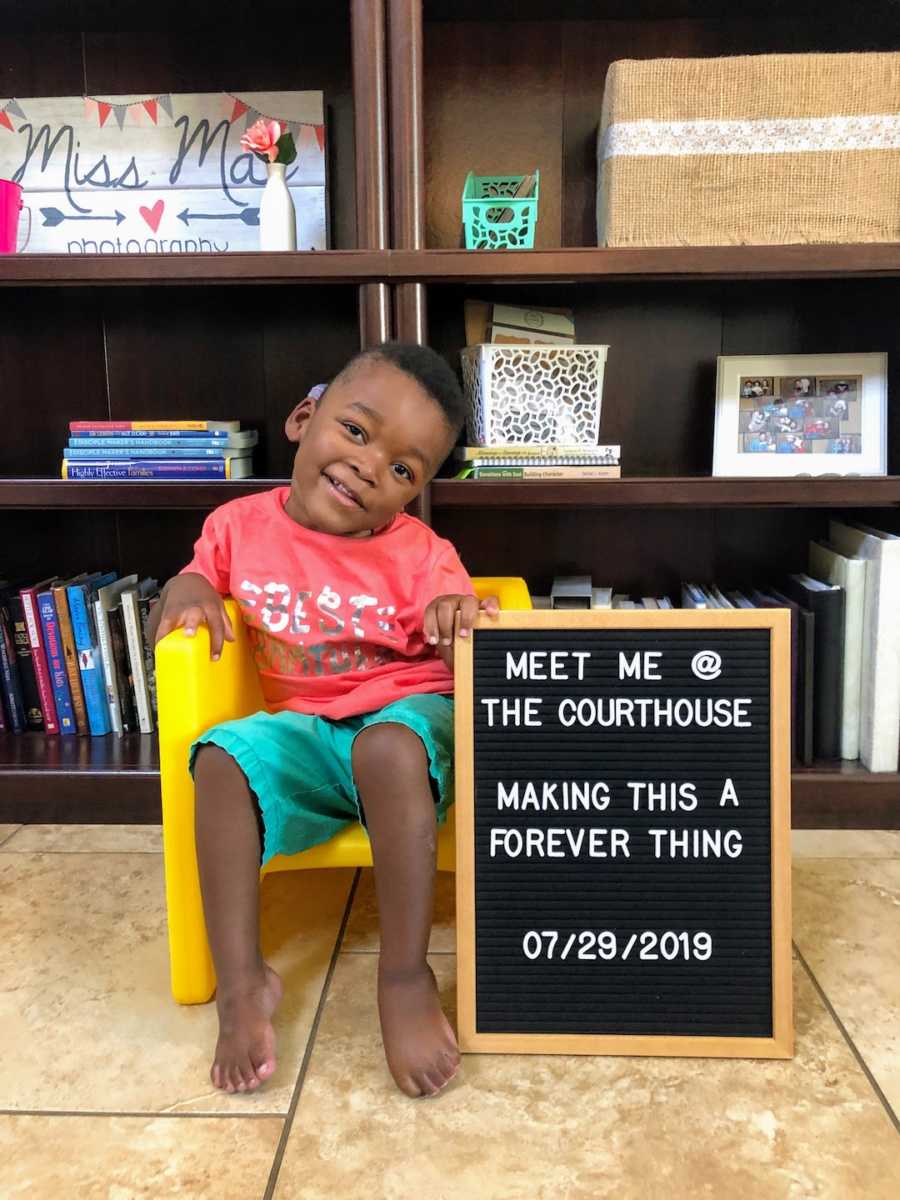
[(494, 222)]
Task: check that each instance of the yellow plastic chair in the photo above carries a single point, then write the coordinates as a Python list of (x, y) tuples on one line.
[(195, 694)]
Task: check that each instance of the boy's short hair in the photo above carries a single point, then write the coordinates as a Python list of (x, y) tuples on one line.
[(428, 369)]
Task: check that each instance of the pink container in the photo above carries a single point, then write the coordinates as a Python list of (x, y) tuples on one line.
[(10, 207)]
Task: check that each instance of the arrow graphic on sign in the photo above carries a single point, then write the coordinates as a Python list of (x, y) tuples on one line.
[(53, 216), (250, 216)]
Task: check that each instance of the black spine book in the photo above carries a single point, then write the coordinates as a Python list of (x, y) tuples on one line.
[(31, 697), (826, 602), (10, 682), (802, 669), (145, 605), (122, 668)]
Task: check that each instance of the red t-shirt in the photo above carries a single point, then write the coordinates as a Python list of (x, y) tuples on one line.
[(335, 623)]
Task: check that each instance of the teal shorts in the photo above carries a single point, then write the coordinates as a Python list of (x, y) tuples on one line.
[(299, 767)]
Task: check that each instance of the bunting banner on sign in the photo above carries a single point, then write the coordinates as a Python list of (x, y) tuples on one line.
[(161, 173)]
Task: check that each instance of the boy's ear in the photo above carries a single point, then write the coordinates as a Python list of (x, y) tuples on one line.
[(295, 425)]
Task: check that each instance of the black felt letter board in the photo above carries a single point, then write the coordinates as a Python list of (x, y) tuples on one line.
[(572, 934)]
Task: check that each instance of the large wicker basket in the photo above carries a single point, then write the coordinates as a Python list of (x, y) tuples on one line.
[(769, 149)]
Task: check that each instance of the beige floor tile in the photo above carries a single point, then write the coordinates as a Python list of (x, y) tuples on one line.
[(361, 933), (847, 927), (6, 832), (127, 1158), (78, 838), (845, 843), (557, 1128), (85, 1009)]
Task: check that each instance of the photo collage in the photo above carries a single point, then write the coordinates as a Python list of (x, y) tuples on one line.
[(800, 414)]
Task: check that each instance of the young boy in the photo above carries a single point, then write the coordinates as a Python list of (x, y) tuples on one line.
[(350, 606)]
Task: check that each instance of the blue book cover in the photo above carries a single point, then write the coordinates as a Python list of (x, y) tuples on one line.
[(110, 435), (124, 445), (195, 468), (90, 453), (89, 664), (56, 663)]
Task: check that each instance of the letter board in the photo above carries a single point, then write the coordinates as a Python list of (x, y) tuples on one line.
[(623, 833)]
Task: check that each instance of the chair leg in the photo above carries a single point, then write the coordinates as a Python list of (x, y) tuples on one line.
[(192, 973)]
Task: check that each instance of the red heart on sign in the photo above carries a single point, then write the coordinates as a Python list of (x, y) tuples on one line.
[(153, 215)]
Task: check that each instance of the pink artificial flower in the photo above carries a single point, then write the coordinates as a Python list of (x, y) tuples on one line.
[(262, 138)]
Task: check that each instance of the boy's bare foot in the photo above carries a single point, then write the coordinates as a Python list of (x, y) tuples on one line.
[(245, 1051), (419, 1044)]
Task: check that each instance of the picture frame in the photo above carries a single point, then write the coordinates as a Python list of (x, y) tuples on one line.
[(800, 414)]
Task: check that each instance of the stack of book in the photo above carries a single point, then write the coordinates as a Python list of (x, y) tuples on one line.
[(75, 657), (513, 325), (530, 461), (196, 449)]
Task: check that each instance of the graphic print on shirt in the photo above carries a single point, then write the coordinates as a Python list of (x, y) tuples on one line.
[(280, 619)]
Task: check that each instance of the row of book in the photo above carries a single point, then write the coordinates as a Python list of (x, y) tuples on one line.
[(169, 449), (75, 657), (845, 639), (535, 461), (845, 645)]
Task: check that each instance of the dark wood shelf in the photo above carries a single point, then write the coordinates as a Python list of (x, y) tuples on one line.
[(125, 494), (642, 492), (109, 780), (608, 264), (672, 492), (564, 265), (81, 780), (263, 267), (844, 795)]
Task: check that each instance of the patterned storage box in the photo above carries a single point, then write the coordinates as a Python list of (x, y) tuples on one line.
[(768, 149), (541, 394)]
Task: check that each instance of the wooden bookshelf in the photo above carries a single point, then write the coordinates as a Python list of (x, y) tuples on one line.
[(491, 86), (572, 264), (609, 265), (82, 780), (320, 266), (665, 492)]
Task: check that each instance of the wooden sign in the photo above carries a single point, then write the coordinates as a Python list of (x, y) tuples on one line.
[(623, 833), (159, 173)]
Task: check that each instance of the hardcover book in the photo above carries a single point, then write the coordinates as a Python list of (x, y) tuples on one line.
[(849, 572), (70, 654), (81, 606), (38, 652), (826, 602), (879, 722), (9, 672), (56, 662)]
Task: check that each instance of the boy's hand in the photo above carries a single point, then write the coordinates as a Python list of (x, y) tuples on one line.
[(440, 619), (189, 601)]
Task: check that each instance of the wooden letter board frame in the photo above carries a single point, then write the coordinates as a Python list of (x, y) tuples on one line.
[(780, 1043)]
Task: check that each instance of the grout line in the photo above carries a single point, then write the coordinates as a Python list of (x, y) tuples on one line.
[(147, 1114), (849, 1040), (5, 849), (9, 837), (301, 1077)]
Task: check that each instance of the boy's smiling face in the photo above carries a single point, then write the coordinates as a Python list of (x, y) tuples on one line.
[(365, 450)]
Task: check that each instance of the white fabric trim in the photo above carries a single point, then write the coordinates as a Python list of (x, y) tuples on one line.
[(776, 135)]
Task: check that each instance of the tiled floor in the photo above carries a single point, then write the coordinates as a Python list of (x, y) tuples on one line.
[(104, 1089)]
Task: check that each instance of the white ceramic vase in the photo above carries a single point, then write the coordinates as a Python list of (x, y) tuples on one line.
[(277, 220)]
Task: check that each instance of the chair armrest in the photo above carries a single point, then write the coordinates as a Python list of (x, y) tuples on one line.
[(193, 692)]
